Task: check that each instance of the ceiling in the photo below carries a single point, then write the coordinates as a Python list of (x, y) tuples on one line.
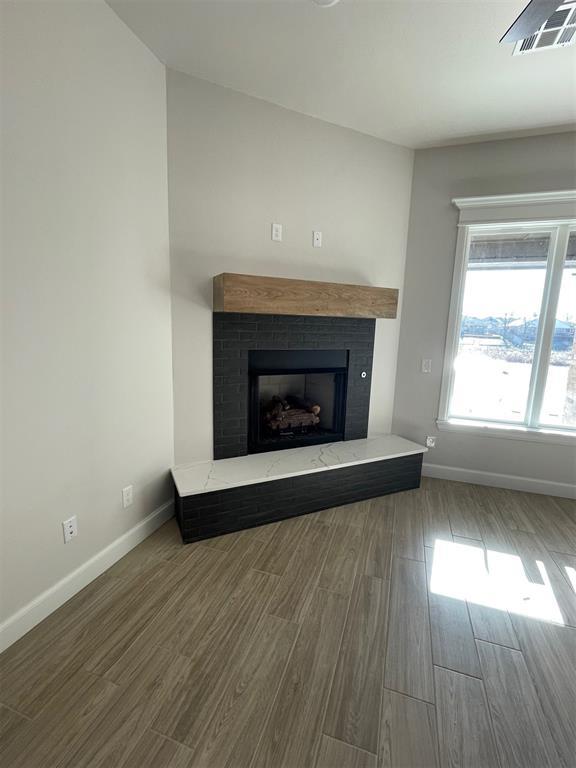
[(415, 73)]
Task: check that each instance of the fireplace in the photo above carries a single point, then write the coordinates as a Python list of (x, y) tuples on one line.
[(258, 357), (296, 397)]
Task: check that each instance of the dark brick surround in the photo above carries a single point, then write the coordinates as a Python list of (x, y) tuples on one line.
[(234, 334), (233, 509)]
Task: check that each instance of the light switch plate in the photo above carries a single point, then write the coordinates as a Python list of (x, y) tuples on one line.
[(426, 366)]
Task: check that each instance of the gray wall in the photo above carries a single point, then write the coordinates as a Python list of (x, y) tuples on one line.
[(87, 376), (236, 164), (523, 165)]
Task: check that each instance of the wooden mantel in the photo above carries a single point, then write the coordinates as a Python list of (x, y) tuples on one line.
[(283, 296)]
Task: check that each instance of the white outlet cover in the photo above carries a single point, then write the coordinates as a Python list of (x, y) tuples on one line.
[(127, 496), (70, 528), (430, 442), (276, 232), (317, 239)]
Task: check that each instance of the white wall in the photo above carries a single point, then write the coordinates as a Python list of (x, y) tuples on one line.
[(523, 165), (236, 164), (86, 306)]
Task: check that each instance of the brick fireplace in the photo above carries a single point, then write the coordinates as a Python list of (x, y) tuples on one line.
[(294, 381), (260, 356)]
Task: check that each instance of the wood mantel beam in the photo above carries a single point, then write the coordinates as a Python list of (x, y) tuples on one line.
[(284, 296)]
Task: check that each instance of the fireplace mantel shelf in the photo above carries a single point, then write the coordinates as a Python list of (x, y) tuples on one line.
[(212, 476), (282, 296)]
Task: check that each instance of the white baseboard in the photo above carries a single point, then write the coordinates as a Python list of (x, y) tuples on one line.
[(36, 610), (515, 482)]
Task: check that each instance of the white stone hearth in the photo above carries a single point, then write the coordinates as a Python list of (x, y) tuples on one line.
[(207, 476)]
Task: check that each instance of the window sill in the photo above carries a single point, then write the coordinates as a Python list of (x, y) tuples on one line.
[(508, 431)]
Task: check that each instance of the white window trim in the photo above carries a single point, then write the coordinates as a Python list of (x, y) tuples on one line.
[(507, 431), (532, 207), (548, 209)]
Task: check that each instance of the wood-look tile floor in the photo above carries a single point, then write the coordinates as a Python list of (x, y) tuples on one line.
[(430, 628)]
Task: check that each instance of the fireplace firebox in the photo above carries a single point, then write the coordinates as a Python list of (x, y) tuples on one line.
[(296, 397)]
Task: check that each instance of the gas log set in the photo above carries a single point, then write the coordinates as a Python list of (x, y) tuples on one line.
[(291, 413)]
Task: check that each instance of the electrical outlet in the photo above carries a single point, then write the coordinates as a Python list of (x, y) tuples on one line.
[(317, 239), (70, 528), (426, 365), (127, 496), (276, 232), (430, 442)]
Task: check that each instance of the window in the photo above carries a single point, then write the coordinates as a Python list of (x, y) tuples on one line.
[(511, 345)]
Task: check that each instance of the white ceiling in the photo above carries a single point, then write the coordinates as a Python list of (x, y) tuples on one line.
[(415, 73)]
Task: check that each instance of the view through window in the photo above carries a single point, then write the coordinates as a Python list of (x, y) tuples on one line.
[(513, 364), (559, 404)]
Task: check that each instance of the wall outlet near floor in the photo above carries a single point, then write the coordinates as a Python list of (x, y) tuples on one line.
[(127, 496), (276, 232), (70, 528), (317, 239), (430, 442)]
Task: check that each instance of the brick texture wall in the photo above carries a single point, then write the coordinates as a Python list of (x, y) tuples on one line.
[(235, 334), (233, 509)]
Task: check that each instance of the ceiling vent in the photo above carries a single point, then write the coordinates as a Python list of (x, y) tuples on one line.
[(558, 31)]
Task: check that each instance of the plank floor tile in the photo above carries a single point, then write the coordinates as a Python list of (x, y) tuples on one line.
[(155, 751), (568, 506), (200, 601), (107, 738), (453, 643), (11, 726), (340, 565), (510, 505), (295, 587), (310, 643), (279, 549), (293, 732), (435, 519), (353, 706), (113, 629), (555, 526), (522, 733), (464, 729), (490, 618), (266, 532), (338, 754), (214, 656), (51, 738), (189, 600), (463, 510), (232, 735), (551, 572), (409, 653), (351, 514), (567, 567), (550, 654), (408, 735), (378, 539), (408, 526), (493, 625)]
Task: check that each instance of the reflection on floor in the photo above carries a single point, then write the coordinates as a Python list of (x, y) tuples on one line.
[(431, 628), (494, 579)]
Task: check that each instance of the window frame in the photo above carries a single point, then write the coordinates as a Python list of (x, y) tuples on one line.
[(553, 213)]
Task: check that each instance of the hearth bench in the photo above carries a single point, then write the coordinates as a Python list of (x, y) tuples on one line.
[(217, 497)]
